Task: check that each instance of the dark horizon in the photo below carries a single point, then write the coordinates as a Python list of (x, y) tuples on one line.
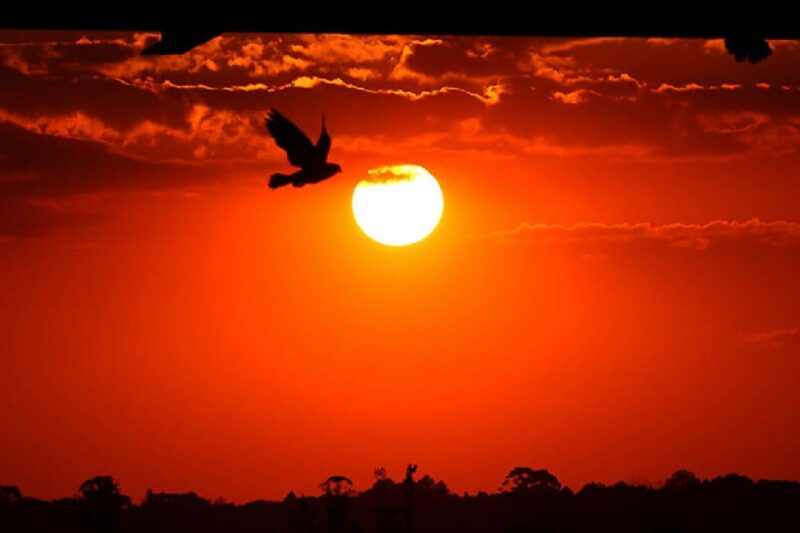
[(652, 485), (526, 499), (678, 474)]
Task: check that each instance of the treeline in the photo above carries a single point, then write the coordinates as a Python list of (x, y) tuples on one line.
[(527, 500)]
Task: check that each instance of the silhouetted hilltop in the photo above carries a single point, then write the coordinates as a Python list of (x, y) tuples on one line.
[(527, 500)]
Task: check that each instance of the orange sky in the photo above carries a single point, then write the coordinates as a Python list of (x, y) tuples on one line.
[(612, 293)]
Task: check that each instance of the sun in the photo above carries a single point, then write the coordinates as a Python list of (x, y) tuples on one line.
[(398, 205)]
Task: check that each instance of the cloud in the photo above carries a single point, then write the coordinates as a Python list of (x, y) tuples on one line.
[(36, 168), (579, 96), (488, 95), (45, 55), (776, 338), (732, 122), (28, 219), (228, 59), (570, 62), (471, 136), (688, 87), (348, 49), (404, 71), (661, 41), (562, 70), (234, 71), (75, 125), (568, 45), (363, 74), (593, 98), (78, 166), (716, 46), (56, 154), (467, 62), (688, 236), (208, 134), (772, 139)]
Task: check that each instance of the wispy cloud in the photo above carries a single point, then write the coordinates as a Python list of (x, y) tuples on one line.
[(490, 95), (776, 338), (690, 236)]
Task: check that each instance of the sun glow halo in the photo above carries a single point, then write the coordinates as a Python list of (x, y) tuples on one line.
[(398, 205)]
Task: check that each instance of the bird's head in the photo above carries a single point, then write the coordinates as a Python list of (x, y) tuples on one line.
[(337, 168)]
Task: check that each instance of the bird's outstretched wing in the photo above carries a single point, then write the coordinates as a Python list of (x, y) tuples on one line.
[(323, 143), (291, 138)]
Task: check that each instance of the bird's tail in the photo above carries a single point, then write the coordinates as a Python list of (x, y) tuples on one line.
[(279, 180)]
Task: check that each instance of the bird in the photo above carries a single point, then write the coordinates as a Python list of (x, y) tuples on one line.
[(311, 159)]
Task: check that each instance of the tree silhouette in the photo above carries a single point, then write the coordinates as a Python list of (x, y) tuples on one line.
[(103, 491), (427, 484), (525, 479), (103, 502), (337, 490), (682, 479), (180, 500), (337, 486), (9, 495)]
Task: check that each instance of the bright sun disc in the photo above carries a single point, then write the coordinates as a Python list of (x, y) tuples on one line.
[(398, 205)]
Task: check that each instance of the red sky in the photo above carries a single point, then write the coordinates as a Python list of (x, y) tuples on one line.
[(612, 293)]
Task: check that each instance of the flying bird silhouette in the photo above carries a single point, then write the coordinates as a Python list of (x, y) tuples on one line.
[(310, 158)]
